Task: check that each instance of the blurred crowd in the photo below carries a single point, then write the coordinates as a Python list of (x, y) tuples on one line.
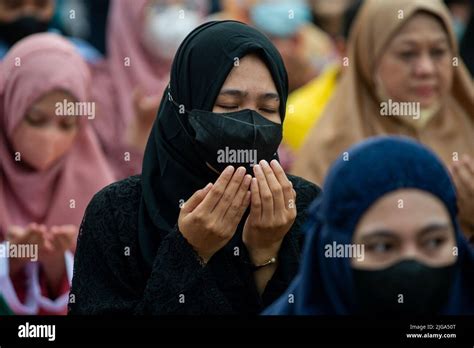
[(110, 62)]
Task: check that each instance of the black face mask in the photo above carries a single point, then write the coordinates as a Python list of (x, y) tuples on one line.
[(424, 289), (240, 138), (15, 31)]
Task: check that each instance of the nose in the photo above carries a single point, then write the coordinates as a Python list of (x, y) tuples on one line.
[(424, 66), (249, 104), (410, 251)]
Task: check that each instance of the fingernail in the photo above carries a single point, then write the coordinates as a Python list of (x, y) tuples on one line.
[(241, 170), (247, 179), (264, 163), (229, 169), (208, 186), (275, 163)]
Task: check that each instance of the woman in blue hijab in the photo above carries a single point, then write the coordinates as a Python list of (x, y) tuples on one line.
[(383, 238)]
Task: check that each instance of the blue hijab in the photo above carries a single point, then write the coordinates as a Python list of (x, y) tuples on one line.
[(366, 172)]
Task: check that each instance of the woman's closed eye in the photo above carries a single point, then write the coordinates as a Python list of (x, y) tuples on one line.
[(438, 52), (36, 120), (407, 55), (228, 107), (268, 110)]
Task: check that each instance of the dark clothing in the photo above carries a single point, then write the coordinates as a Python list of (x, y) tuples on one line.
[(173, 166), (131, 258), (111, 276)]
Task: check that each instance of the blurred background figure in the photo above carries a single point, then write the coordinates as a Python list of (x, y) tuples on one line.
[(467, 48), (20, 18), (83, 19), (235, 10), (51, 165), (142, 37), (305, 49), (383, 239), (418, 65), (306, 104), (462, 13), (329, 15)]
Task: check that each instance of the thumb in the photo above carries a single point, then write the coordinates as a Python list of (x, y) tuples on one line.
[(195, 199)]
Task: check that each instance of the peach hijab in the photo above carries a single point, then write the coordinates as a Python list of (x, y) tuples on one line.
[(47, 62), (127, 66), (353, 112)]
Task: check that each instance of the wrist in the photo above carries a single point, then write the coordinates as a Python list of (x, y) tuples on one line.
[(259, 256), (203, 259), (16, 265)]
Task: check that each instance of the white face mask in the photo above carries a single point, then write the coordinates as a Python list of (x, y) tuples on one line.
[(165, 29)]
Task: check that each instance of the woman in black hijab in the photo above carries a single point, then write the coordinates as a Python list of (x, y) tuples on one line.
[(167, 243)]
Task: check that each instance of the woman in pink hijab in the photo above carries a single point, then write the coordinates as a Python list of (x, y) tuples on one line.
[(142, 38), (51, 166)]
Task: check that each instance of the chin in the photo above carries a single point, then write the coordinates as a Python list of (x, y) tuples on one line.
[(426, 104)]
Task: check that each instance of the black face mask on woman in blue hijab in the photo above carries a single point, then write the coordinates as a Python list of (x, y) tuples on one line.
[(408, 287)]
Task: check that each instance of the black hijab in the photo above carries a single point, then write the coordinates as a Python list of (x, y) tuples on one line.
[(172, 168)]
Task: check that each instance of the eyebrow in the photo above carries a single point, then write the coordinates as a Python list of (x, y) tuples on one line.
[(439, 40), (378, 233), (239, 93), (433, 227), (233, 92)]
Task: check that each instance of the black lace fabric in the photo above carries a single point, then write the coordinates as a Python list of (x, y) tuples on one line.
[(110, 277)]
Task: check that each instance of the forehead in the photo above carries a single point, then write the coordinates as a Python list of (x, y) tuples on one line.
[(250, 73), (52, 97), (421, 26), (403, 211)]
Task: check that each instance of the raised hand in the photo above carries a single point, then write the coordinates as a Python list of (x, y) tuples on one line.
[(209, 219), (272, 211)]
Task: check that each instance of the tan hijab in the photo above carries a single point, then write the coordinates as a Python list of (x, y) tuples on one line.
[(353, 113)]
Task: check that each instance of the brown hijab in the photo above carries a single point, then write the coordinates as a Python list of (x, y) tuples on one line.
[(353, 113)]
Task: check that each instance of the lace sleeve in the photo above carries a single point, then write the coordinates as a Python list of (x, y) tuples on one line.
[(106, 280)]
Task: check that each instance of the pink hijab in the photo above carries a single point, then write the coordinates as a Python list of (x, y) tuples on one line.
[(47, 62), (128, 65)]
